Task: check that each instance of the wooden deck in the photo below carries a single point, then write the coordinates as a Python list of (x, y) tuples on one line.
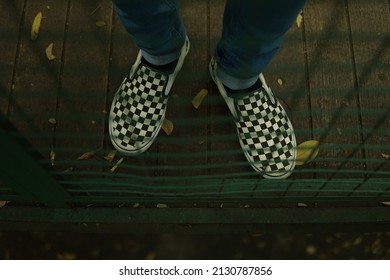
[(332, 75)]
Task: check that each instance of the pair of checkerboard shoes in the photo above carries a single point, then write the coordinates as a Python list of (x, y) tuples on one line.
[(264, 130)]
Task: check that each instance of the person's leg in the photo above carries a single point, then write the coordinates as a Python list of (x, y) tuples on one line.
[(155, 27), (253, 31), (138, 108)]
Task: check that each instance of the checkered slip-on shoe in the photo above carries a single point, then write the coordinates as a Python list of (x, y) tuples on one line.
[(264, 130), (138, 108)]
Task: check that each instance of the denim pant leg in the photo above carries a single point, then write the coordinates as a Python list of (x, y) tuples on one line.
[(253, 31), (155, 27)]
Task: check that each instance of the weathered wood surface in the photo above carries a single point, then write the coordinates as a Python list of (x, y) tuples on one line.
[(333, 68)]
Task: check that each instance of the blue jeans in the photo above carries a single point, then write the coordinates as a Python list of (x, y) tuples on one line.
[(253, 31)]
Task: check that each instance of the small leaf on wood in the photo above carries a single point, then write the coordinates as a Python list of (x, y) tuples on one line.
[(385, 156), (3, 203), (387, 203), (112, 170), (302, 204), (100, 23), (52, 156), (167, 126), (110, 156), (52, 121), (160, 205), (49, 52), (136, 205), (280, 81), (299, 19), (197, 100), (86, 155), (307, 151), (36, 26)]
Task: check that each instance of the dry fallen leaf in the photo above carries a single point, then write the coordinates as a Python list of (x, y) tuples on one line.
[(52, 121), (52, 156), (136, 205), (307, 151), (160, 205), (112, 170), (385, 156), (299, 19), (110, 156), (302, 204), (197, 100), (167, 126), (387, 203), (280, 81), (100, 23), (49, 52), (86, 155), (3, 203), (36, 26)]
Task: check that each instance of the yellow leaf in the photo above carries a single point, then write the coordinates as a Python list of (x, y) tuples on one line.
[(387, 203), (36, 26), (116, 165), (307, 151), (199, 98), (299, 19), (302, 204), (100, 23), (160, 205), (86, 155), (167, 126), (52, 121), (110, 156), (52, 155), (3, 203), (280, 81), (385, 156), (49, 52)]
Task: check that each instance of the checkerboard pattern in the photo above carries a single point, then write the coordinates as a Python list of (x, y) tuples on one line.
[(138, 110), (265, 133)]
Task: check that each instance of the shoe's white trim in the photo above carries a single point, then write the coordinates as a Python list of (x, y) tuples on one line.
[(229, 101), (183, 54)]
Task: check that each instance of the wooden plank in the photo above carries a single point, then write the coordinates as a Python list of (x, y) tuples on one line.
[(82, 103), (184, 152), (36, 81), (333, 94), (370, 26), (11, 17), (187, 217)]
